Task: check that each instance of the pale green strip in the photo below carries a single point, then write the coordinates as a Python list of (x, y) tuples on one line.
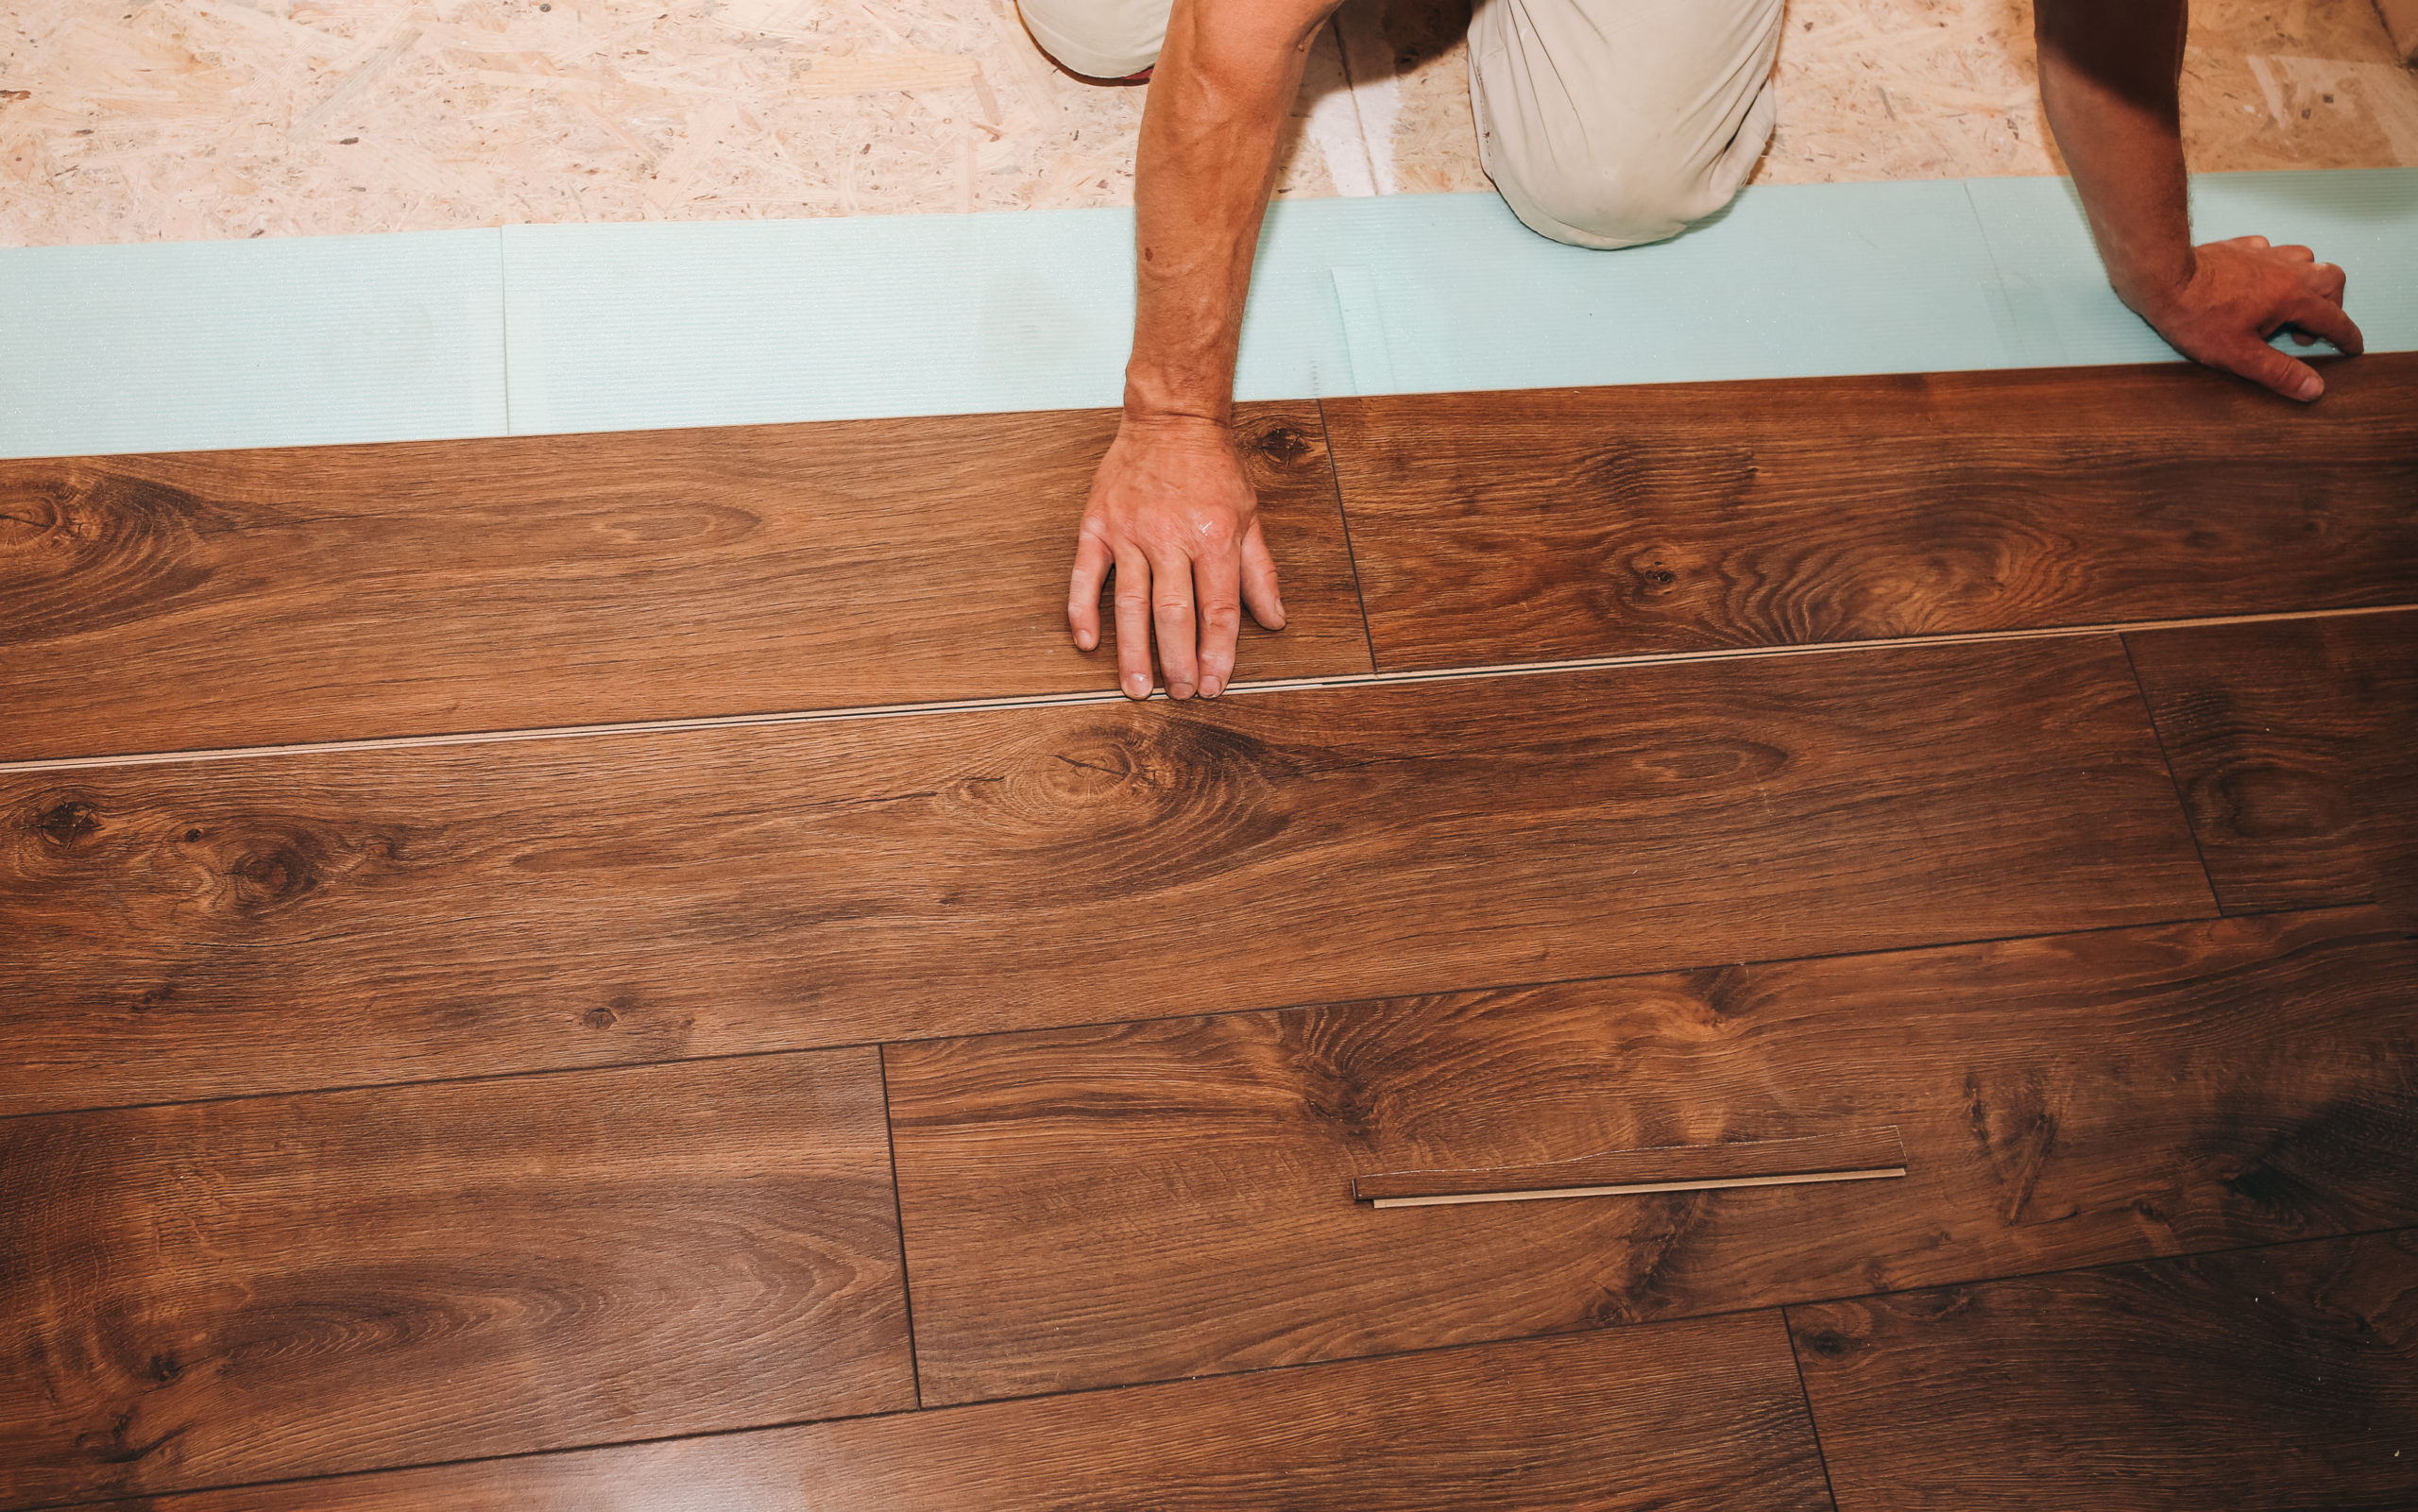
[(594, 328), (175, 345)]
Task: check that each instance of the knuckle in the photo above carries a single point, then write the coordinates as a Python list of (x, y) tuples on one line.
[(1173, 611)]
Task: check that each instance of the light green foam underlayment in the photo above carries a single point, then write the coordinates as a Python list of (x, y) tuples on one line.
[(535, 329)]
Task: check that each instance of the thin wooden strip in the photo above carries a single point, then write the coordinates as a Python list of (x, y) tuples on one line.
[(351, 918), (1662, 1168), (1552, 524), (1640, 1189), (304, 596)]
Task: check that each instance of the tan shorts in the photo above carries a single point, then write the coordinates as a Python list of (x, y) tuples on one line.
[(1603, 123)]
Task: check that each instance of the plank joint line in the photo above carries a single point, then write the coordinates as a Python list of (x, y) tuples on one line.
[(1290, 684)]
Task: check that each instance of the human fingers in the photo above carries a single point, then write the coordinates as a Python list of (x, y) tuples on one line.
[(2325, 318), (1217, 580), (2266, 367), (1259, 580), (2294, 254), (1092, 561), (1134, 623), (2325, 280), (1171, 618)]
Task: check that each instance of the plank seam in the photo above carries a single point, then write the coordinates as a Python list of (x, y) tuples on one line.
[(2174, 779), (1351, 558), (2385, 926), (1338, 681), (898, 1210), (1805, 1394)]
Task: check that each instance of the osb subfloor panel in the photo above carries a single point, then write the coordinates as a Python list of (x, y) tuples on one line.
[(962, 1108), (197, 119)]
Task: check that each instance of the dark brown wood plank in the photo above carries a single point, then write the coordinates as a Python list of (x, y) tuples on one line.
[(245, 598), (1095, 1206), (242, 1290), (2280, 1380), (2295, 746), (1545, 525), (1843, 1152), (315, 920), (1691, 1416)]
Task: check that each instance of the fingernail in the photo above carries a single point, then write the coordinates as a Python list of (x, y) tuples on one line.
[(1209, 686), (1178, 689), (2309, 388), (1137, 685)]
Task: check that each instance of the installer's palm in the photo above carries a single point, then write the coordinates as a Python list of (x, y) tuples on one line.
[(1172, 512), (2242, 292)]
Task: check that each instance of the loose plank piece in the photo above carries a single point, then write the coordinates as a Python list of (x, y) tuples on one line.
[(1087, 1207), (310, 920), (2280, 1380), (243, 1290), (1697, 1416), (1546, 525), (252, 597)]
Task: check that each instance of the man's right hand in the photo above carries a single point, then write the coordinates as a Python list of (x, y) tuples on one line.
[(1173, 513), (2239, 292)]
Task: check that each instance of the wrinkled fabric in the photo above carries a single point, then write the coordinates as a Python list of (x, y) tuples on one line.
[(1609, 122), (1602, 123)]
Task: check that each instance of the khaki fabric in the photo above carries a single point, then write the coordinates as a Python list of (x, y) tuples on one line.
[(1608, 123), (1603, 123), (1098, 38)]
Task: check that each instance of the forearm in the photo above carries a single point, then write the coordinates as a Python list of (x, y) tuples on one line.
[(2108, 75), (1218, 102)]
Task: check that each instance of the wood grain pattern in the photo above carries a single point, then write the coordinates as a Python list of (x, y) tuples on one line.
[(1855, 1149), (1696, 1417), (242, 1290), (2278, 1380), (2295, 745), (1095, 1206), (243, 597), (1576, 523), (357, 917)]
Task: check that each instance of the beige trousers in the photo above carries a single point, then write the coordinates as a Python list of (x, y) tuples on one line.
[(1603, 123)]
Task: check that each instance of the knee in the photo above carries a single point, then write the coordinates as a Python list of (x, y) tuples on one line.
[(1604, 179), (1098, 38), (1612, 205)]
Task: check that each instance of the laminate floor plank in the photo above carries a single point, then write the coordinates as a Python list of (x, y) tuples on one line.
[(2295, 746), (1535, 526), (246, 598), (315, 920), (1096, 1206), (1705, 1416), (263, 1287), (2274, 1380)]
